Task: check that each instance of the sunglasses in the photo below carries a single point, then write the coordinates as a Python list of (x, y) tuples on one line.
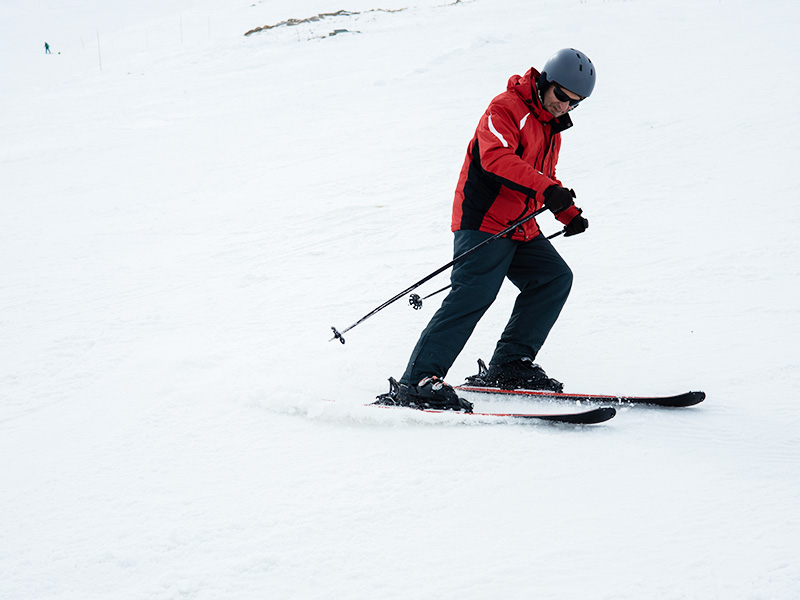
[(562, 97)]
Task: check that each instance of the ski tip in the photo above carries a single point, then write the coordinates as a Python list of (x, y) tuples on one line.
[(679, 401), (693, 398), (602, 414), (589, 417)]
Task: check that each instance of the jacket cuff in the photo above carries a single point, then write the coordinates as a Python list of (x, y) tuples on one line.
[(565, 216)]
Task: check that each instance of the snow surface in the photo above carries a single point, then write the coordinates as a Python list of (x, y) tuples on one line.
[(187, 210)]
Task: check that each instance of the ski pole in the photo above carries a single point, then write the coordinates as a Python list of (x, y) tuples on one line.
[(337, 335), (416, 302)]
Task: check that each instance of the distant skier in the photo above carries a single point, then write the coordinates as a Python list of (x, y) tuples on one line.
[(47, 48), (509, 172)]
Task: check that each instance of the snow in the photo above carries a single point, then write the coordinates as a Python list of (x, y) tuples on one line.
[(187, 211)]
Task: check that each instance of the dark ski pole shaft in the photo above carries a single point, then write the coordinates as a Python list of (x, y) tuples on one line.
[(337, 335), (416, 302)]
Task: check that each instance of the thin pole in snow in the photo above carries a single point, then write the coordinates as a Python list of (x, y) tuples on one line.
[(99, 56)]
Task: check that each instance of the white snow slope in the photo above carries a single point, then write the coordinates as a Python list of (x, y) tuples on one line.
[(186, 211)]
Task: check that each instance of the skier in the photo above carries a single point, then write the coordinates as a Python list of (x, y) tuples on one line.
[(47, 48), (509, 172)]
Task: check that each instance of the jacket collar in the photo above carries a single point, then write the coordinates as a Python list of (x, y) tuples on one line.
[(525, 87)]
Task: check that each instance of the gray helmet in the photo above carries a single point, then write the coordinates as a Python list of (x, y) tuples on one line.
[(571, 69)]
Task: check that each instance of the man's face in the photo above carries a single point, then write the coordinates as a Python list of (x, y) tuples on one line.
[(558, 106)]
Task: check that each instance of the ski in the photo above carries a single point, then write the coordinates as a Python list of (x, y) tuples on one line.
[(586, 417), (679, 400)]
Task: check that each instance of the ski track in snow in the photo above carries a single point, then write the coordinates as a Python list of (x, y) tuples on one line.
[(183, 226)]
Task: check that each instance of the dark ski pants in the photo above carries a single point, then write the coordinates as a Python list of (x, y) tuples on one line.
[(534, 267)]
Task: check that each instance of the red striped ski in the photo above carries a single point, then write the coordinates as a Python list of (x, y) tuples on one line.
[(586, 417), (679, 400)]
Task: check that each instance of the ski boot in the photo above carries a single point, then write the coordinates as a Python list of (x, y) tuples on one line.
[(519, 374), (430, 393)]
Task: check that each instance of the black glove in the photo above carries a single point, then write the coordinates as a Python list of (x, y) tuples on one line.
[(558, 199), (577, 225)]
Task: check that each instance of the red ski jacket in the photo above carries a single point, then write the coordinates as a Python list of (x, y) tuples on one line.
[(510, 162)]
